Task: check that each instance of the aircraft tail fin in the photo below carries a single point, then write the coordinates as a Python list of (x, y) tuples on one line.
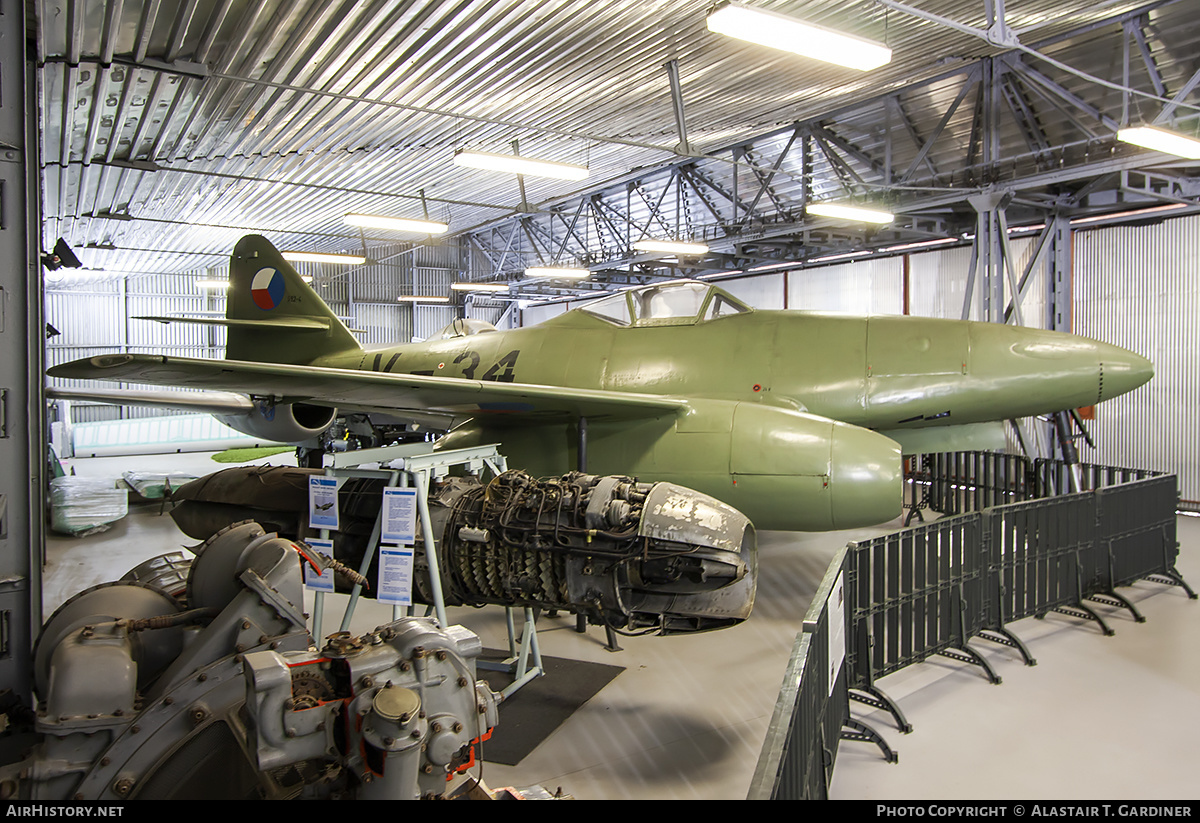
[(272, 315)]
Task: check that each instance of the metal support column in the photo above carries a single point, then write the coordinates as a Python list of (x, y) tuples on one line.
[(990, 258), (22, 406), (1059, 297)]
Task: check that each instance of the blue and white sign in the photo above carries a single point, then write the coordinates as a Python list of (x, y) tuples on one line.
[(322, 502), (395, 575), (399, 516), (324, 581)]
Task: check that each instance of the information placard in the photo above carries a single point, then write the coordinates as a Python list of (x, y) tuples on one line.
[(836, 616), (395, 575), (323, 502), (324, 581), (399, 516)]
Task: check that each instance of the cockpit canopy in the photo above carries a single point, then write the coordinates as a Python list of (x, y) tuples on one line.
[(464, 327), (679, 302)]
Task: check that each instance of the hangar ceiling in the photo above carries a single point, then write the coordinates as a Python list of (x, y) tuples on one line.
[(168, 130)]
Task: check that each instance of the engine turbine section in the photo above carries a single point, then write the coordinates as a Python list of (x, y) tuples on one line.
[(628, 555)]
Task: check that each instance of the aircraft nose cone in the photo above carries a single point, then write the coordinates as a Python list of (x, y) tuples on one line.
[(1121, 371), (866, 478)]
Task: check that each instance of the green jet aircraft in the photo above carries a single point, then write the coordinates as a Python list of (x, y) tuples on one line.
[(796, 418)]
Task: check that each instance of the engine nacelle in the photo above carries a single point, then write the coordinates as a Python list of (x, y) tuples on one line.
[(783, 469), (282, 422)]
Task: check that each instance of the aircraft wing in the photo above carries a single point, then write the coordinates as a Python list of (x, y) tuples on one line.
[(368, 391), (208, 402)]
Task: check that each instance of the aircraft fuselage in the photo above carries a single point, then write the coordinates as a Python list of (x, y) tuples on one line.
[(882, 372)]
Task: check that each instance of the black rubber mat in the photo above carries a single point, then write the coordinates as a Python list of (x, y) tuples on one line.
[(541, 705)]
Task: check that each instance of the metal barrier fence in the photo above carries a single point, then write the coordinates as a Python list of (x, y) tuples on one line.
[(957, 482), (812, 712), (801, 743), (928, 590)]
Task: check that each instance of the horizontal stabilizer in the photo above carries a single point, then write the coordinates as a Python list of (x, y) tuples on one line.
[(294, 323)]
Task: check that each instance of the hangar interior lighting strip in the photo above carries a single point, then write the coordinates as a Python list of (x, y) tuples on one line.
[(373, 221), (515, 164), (921, 244), (479, 286), (778, 31), (423, 298), (224, 284), (856, 213), (1168, 142), (671, 247), (1098, 218), (556, 271), (321, 257), (829, 258)]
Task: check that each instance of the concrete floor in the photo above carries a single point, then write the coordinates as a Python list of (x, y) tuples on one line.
[(1098, 717)]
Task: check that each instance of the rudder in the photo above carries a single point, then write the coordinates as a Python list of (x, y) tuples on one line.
[(273, 316)]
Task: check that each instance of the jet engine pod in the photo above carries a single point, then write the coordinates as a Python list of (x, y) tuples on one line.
[(282, 422), (798, 471)]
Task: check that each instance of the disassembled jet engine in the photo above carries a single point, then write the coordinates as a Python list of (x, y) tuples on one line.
[(222, 696), (625, 554)]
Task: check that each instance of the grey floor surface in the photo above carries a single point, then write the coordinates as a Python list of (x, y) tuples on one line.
[(1097, 717)]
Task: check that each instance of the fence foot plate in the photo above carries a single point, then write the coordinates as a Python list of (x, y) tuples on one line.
[(857, 730), (1080, 610), (966, 654), (1173, 578), (1118, 600), (1006, 638), (873, 696)]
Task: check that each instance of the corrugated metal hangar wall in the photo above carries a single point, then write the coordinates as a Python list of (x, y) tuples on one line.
[(1137, 286)]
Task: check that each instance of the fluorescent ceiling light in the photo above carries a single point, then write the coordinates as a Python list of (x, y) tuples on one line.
[(1168, 142), (855, 213), (1096, 218), (479, 286), (212, 284), (778, 31), (372, 221), (556, 271), (844, 256), (519, 165), (922, 244), (320, 257), (671, 246), (307, 278), (423, 298)]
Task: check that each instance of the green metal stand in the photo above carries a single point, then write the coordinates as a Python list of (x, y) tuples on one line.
[(417, 465)]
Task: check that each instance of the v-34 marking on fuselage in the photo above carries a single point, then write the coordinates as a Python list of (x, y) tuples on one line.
[(796, 418)]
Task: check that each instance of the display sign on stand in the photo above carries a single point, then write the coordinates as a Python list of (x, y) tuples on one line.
[(323, 502), (322, 582), (399, 516), (395, 575)]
